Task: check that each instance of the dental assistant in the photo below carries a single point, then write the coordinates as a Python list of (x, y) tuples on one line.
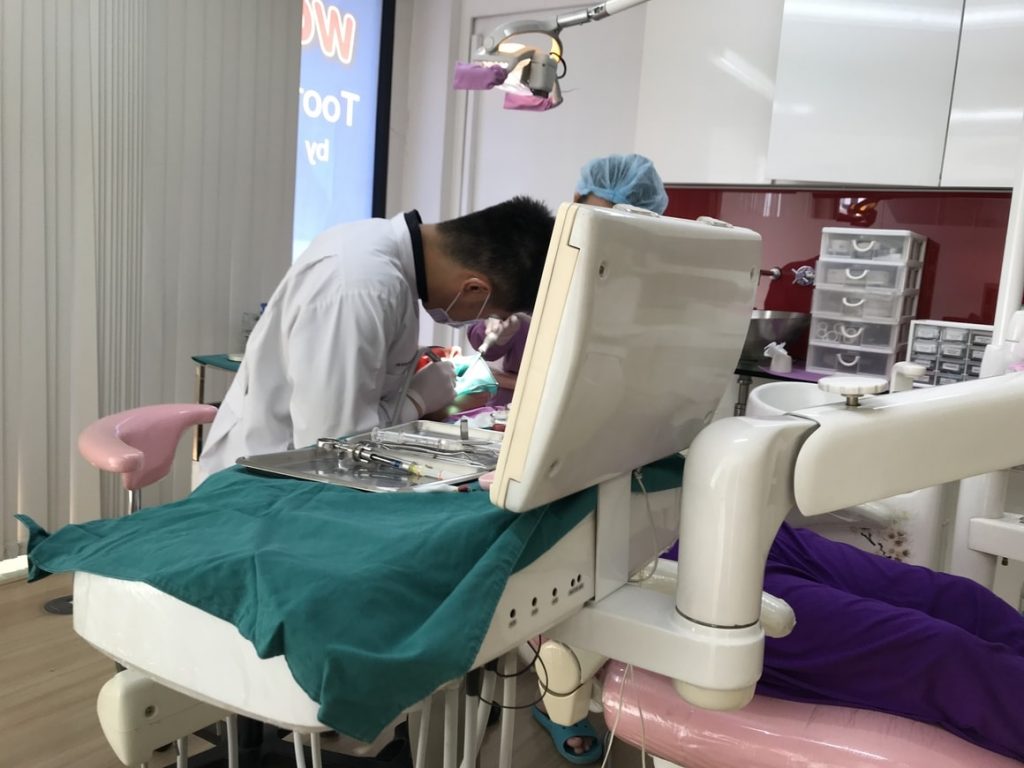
[(333, 352)]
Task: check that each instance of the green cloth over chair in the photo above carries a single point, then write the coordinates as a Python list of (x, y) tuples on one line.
[(375, 600)]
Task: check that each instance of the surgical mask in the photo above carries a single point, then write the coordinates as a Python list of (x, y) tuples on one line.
[(441, 315)]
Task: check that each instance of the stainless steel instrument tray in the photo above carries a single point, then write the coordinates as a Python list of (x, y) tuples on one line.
[(327, 465)]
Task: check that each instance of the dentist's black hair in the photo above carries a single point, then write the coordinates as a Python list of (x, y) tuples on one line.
[(508, 243)]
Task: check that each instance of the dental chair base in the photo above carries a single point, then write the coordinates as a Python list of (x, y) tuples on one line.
[(645, 710), (565, 677), (138, 716)]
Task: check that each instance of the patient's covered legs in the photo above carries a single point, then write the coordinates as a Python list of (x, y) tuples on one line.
[(880, 634)]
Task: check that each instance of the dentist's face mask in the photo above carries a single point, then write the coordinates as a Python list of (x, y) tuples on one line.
[(441, 315)]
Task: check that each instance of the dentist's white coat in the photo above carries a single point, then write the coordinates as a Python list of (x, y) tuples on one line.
[(332, 350)]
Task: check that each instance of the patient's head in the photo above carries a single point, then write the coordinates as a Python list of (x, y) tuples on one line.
[(629, 179)]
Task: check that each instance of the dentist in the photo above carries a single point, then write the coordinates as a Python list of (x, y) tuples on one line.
[(334, 348)]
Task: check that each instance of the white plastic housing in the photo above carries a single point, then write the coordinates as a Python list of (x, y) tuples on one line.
[(635, 334), (138, 715)]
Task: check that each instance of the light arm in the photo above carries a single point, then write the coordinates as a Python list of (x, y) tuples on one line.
[(595, 12)]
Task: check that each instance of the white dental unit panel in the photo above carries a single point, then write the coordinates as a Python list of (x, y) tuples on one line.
[(636, 319)]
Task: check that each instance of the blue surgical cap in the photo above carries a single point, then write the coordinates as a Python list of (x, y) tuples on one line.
[(629, 179)]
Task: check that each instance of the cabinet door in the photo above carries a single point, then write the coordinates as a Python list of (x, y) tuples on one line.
[(706, 87), (985, 123), (862, 92)]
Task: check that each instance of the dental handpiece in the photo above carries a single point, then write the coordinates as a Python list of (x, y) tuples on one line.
[(487, 343)]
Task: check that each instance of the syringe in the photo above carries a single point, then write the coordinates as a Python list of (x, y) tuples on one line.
[(394, 437), (366, 454)]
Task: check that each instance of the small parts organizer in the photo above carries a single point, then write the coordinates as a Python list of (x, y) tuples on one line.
[(865, 296), (952, 352)]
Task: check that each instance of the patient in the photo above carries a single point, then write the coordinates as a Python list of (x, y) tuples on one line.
[(880, 634)]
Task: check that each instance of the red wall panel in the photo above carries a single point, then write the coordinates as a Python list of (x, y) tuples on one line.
[(965, 231)]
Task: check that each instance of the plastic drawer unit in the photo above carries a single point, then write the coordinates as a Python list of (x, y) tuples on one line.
[(951, 351), (835, 358), (867, 285), (856, 333), (891, 245), (852, 273), (863, 304)]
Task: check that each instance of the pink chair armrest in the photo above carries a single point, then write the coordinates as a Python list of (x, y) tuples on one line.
[(139, 444)]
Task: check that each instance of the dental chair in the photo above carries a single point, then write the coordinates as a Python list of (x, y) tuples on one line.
[(644, 710), (633, 341), (137, 714)]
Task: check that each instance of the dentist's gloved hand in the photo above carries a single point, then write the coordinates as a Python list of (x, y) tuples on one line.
[(432, 387), (504, 330)]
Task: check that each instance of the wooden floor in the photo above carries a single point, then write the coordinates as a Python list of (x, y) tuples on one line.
[(49, 679)]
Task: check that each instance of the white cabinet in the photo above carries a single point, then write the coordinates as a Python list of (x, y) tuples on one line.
[(862, 91), (985, 122), (706, 87)]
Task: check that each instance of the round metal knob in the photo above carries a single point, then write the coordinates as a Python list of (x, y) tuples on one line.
[(803, 275), (853, 388)]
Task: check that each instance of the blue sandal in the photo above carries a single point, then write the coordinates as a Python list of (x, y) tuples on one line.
[(562, 733)]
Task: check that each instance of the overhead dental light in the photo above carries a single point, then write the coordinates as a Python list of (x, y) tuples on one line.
[(528, 74)]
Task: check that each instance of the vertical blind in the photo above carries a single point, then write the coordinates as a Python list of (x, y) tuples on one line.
[(147, 152)]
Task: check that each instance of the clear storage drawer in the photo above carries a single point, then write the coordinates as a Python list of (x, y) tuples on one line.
[(953, 351), (828, 358), (893, 245), (854, 273), (856, 333), (864, 304)]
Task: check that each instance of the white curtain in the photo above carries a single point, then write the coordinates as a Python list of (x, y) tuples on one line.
[(147, 152)]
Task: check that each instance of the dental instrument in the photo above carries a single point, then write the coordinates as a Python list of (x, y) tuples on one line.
[(430, 443), (444, 488), (489, 340), (396, 437), (368, 453)]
